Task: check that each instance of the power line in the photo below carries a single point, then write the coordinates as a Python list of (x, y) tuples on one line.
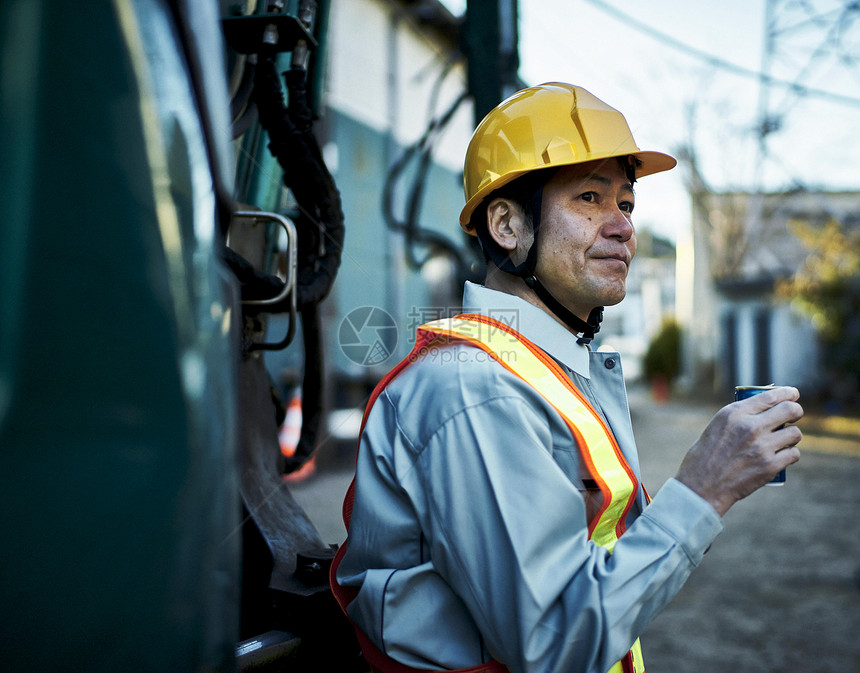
[(710, 59)]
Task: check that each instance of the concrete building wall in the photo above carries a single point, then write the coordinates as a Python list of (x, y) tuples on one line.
[(763, 342), (795, 355), (388, 77), (382, 70)]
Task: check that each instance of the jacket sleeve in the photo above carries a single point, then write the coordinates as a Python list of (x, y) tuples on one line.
[(507, 530)]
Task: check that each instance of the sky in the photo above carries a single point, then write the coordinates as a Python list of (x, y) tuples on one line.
[(683, 74)]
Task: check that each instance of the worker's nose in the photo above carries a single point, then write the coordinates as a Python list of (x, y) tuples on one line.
[(618, 225)]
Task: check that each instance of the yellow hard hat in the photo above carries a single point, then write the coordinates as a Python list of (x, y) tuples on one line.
[(554, 124)]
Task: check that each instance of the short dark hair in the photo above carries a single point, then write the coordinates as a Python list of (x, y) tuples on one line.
[(520, 190)]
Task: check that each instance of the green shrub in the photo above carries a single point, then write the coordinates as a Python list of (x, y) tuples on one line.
[(662, 359)]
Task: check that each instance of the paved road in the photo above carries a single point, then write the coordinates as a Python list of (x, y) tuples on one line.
[(777, 591)]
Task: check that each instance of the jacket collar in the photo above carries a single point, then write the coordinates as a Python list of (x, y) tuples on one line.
[(533, 323)]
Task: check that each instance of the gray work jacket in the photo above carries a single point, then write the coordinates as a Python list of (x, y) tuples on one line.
[(469, 537)]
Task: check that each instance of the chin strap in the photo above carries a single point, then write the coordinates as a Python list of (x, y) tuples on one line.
[(526, 271), (588, 328)]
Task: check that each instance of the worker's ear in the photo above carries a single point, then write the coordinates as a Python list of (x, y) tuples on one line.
[(506, 224)]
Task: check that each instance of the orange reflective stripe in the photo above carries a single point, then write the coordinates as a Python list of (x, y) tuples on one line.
[(377, 659)]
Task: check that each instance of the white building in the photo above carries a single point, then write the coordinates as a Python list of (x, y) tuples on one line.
[(738, 332)]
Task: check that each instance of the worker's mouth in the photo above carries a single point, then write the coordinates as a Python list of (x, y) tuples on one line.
[(619, 260)]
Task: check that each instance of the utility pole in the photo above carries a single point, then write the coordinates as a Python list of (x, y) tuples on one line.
[(491, 44), (810, 52)]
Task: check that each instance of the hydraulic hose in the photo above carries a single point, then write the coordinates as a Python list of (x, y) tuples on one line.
[(320, 224)]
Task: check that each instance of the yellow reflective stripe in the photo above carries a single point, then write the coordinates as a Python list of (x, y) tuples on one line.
[(638, 662), (599, 449)]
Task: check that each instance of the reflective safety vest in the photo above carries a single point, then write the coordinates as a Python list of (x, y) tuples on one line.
[(600, 453)]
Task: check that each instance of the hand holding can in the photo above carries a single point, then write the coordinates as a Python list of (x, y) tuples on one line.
[(742, 393), (743, 446)]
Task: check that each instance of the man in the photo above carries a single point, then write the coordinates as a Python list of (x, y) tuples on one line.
[(498, 519)]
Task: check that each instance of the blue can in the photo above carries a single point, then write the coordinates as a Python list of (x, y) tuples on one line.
[(742, 393)]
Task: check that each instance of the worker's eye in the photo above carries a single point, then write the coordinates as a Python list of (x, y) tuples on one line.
[(626, 206), (588, 197)]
